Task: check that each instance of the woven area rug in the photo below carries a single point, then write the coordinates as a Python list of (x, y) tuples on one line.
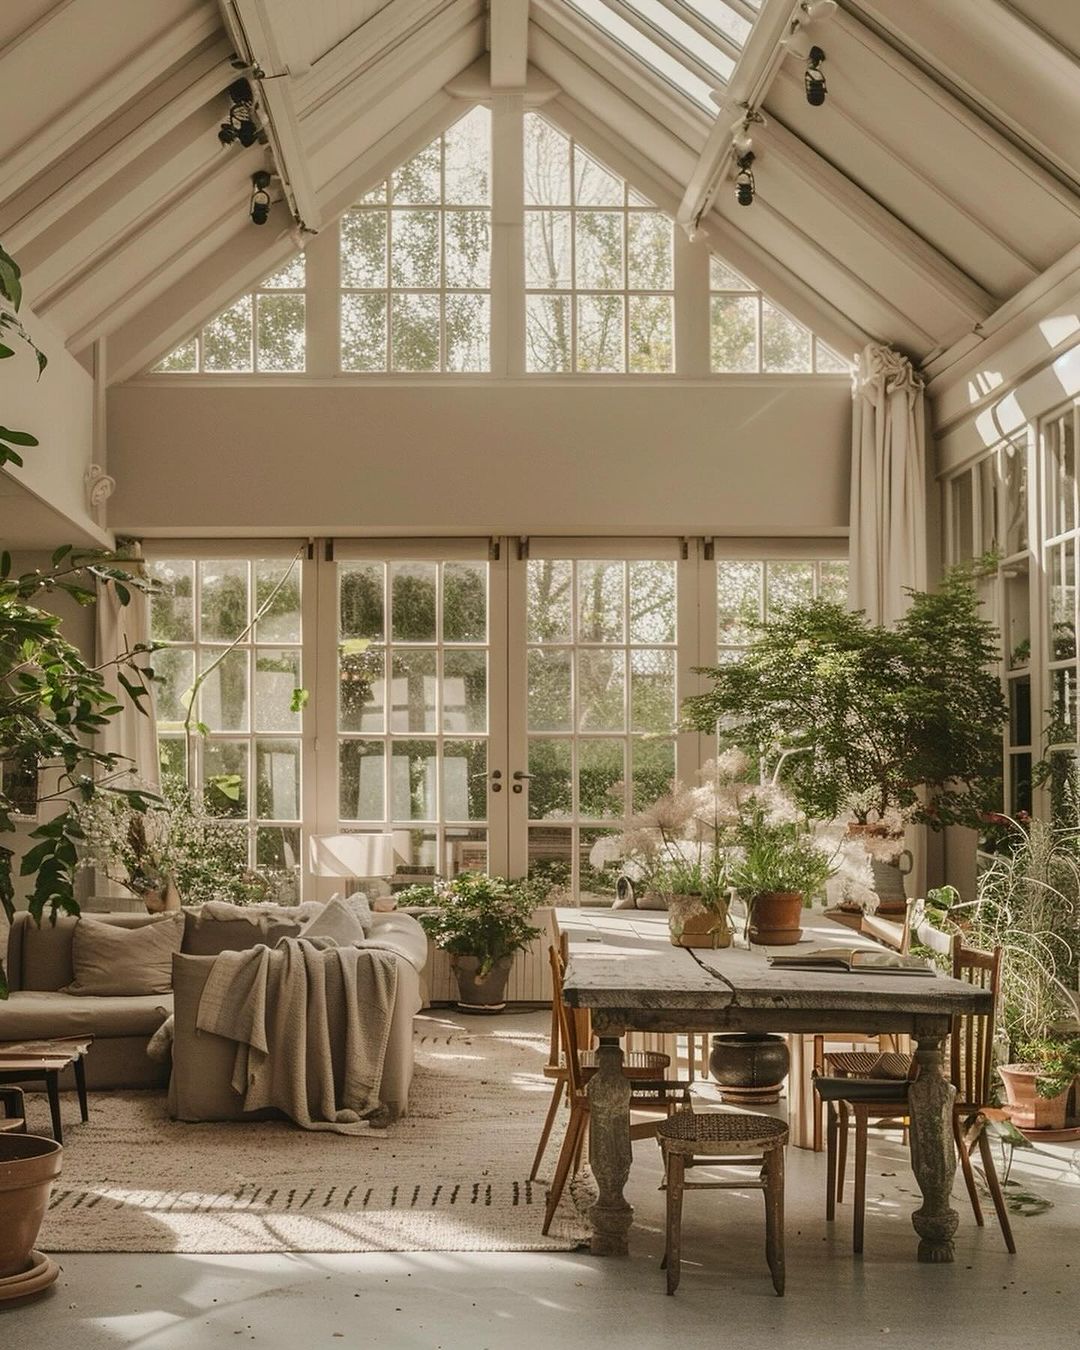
[(450, 1177)]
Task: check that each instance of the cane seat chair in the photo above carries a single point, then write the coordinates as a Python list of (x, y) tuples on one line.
[(880, 1099), (637, 1064), (689, 1138)]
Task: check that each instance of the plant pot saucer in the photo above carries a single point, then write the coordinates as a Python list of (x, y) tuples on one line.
[(481, 1007), (1066, 1136), (42, 1272)]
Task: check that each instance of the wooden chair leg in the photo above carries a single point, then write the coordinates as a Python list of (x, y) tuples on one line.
[(772, 1173), (830, 1163), (964, 1155), (566, 1156), (818, 1068), (841, 1150), (862, 1130), (549, 1121), (987, 1153), (580, 1146), (676, 1172)]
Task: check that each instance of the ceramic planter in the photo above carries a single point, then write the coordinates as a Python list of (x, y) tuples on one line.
[(1029, 1111), (691, 923), (28, 1167), (776, 918), (750, 1067), (481, 993)]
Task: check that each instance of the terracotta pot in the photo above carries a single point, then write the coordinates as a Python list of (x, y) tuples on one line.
[(165, 901), (28, 1167), (1029, 1111), (691, 923), (750, 1067), (481, 993), (776, 918)]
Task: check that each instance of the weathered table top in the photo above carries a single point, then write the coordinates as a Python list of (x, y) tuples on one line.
[(624, 960)]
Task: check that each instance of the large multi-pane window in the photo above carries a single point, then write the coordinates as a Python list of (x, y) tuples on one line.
[(599, 271), (263, 331), (751, 336), (413, 667), (750, 591), (227, 723), (416, 260)]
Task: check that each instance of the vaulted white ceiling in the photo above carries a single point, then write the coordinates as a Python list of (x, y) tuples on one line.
[(940, 180)]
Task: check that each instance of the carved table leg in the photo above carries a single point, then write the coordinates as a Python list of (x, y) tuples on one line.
[(933, 1152), (609, 1150)]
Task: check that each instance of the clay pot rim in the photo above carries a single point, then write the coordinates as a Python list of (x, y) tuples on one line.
[(41, 1147)]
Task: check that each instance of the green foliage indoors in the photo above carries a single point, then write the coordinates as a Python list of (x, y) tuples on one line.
[(52, 703), (906, 719), (777, 856), (11, 327), (476, 915)]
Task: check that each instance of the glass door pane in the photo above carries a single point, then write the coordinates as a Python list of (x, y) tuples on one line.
[(420, 650)]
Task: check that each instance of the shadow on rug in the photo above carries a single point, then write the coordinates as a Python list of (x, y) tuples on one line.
[(450, 1177)]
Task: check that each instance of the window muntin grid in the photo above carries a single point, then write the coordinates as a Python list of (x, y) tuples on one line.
[(413, 715), (263, 332), (601, 660), (749, 335), (599, 265), (247, 763), (416, 261), (750, 591)]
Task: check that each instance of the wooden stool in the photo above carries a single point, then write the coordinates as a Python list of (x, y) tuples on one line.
[(692, 1139)]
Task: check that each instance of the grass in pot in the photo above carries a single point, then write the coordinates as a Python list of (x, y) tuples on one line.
[(778, 869)]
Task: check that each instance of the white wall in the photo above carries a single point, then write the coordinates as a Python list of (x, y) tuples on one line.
[(761, 456)]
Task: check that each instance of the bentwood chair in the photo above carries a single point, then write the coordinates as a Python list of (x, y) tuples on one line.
[(648, 1091), (637, 1064), (880, 1098), (720, 1139)]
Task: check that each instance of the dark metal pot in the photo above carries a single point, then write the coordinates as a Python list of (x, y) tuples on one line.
[(481, 994), (749, 1066)]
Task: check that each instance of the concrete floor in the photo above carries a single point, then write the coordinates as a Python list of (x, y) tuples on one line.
[(524, 1301)]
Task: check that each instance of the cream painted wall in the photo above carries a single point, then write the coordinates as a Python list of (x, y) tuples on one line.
[(760, 456)]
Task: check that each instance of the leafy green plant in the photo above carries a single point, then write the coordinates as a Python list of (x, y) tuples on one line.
[(478, 915), (904, 720), (52, 705), (11, 326), (777, 855), (1057, 1060)]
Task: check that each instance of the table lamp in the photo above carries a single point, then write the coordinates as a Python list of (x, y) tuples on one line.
[(351, 856)]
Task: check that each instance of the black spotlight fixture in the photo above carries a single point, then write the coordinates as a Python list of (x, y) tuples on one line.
[(816, 88), (260, 197), (241, 125), (744, 180)]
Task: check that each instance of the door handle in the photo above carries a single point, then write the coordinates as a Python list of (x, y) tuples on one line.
[(519, 776), (496, 774)]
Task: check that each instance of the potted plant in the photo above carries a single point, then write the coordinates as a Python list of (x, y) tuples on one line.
[(881, 725), (697, 902), (1027, 902), (778, 868), (481, 921)]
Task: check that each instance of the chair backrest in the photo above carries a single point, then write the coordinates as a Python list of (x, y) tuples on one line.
[(894, 935), (971, 1044), (569, 1022), (556, 940)]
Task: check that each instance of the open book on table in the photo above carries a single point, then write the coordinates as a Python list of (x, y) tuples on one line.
[(865, 959)]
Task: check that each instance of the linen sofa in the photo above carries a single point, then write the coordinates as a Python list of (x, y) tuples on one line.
[(39, 965)]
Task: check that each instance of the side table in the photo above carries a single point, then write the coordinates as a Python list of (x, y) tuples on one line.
[(44, 1061)]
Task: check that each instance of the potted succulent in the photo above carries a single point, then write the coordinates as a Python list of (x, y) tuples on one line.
[(481, 921), (778, 868), (881, 726)]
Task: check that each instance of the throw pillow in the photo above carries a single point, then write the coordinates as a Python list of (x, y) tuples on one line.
[(339, 923), (111, 960)]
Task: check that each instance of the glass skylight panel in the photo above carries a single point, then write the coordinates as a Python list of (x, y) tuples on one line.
[(651, 53), (722, 17)]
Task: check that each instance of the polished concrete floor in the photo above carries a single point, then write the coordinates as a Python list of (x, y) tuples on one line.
[(538, 1301)]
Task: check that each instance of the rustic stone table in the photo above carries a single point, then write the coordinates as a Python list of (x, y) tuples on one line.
[(624, 969)]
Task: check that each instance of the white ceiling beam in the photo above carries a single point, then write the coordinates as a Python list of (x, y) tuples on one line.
[(251, 24), (1004, 69), (508, 42), (674, 49), (62, 132), (761, 59), (939, 275), (153, 117), (692, 19)]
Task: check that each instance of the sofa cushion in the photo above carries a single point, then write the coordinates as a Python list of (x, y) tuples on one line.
[(399, 932), (45, 951), (340, 922), (206, 935), (124, 961), (40, 1014)]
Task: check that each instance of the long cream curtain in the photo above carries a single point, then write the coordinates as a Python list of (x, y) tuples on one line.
[(888, 484), (131, 733)]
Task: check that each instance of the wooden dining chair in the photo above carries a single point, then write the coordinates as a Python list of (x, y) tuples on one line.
[(860, 1101), (636, 1063), (649, 1090)]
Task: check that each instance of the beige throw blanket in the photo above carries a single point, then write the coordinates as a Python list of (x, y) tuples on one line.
[(311, 1025)]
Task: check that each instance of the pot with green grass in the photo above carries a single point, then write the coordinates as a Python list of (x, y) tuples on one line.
[(481, 921), (778, 869), (697, 902)]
